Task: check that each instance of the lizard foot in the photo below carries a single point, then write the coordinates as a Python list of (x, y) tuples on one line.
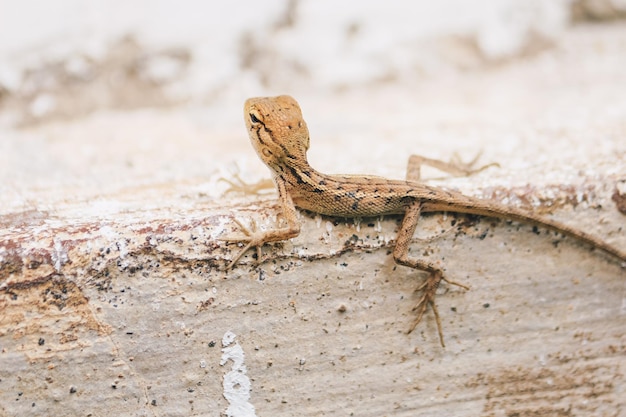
[(237, 185), (251, 237), (467, 168), (429, 289)]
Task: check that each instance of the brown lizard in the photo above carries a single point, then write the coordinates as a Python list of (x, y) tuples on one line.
[(281, 139)]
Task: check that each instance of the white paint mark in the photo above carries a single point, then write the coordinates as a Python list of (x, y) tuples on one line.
[(236, 385), (328, 234), (59, 255), (318, 220)]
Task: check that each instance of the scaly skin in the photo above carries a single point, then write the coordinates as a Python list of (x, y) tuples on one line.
[(281, 139)]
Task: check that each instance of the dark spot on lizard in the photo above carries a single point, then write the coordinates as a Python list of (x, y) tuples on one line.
[(322, 182), (295, 174), (351, 194), (337, 197), (355, 206), (318, 190)]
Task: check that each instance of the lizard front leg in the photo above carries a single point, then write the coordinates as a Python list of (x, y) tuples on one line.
[(257, 238), (429, 287), (237, 185)]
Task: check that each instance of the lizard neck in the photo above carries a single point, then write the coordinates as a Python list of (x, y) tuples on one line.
[(298, 172)]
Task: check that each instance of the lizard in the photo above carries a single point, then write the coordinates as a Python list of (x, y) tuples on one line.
[(280, 137)]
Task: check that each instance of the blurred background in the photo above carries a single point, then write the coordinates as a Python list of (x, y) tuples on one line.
[(69, 58), (105, 94)]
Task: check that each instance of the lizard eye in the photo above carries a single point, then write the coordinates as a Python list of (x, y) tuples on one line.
[(254, 119)]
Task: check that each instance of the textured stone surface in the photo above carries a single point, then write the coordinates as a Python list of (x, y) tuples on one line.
[(114, 299)]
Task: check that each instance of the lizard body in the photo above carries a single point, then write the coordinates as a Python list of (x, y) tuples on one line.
[(366, 196), (281, 139)]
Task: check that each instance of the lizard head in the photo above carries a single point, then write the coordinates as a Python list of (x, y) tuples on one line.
[(277, 131)]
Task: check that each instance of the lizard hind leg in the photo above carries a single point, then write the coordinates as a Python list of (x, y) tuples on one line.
[(429, 287), (456, 167)]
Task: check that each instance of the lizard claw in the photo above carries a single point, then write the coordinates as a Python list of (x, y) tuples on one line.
[(237, 185), (251, 237), (429, 288)]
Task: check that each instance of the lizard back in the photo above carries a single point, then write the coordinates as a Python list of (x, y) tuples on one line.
[(363, 196)]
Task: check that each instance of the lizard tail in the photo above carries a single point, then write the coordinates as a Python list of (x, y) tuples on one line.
[(468, 205)]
